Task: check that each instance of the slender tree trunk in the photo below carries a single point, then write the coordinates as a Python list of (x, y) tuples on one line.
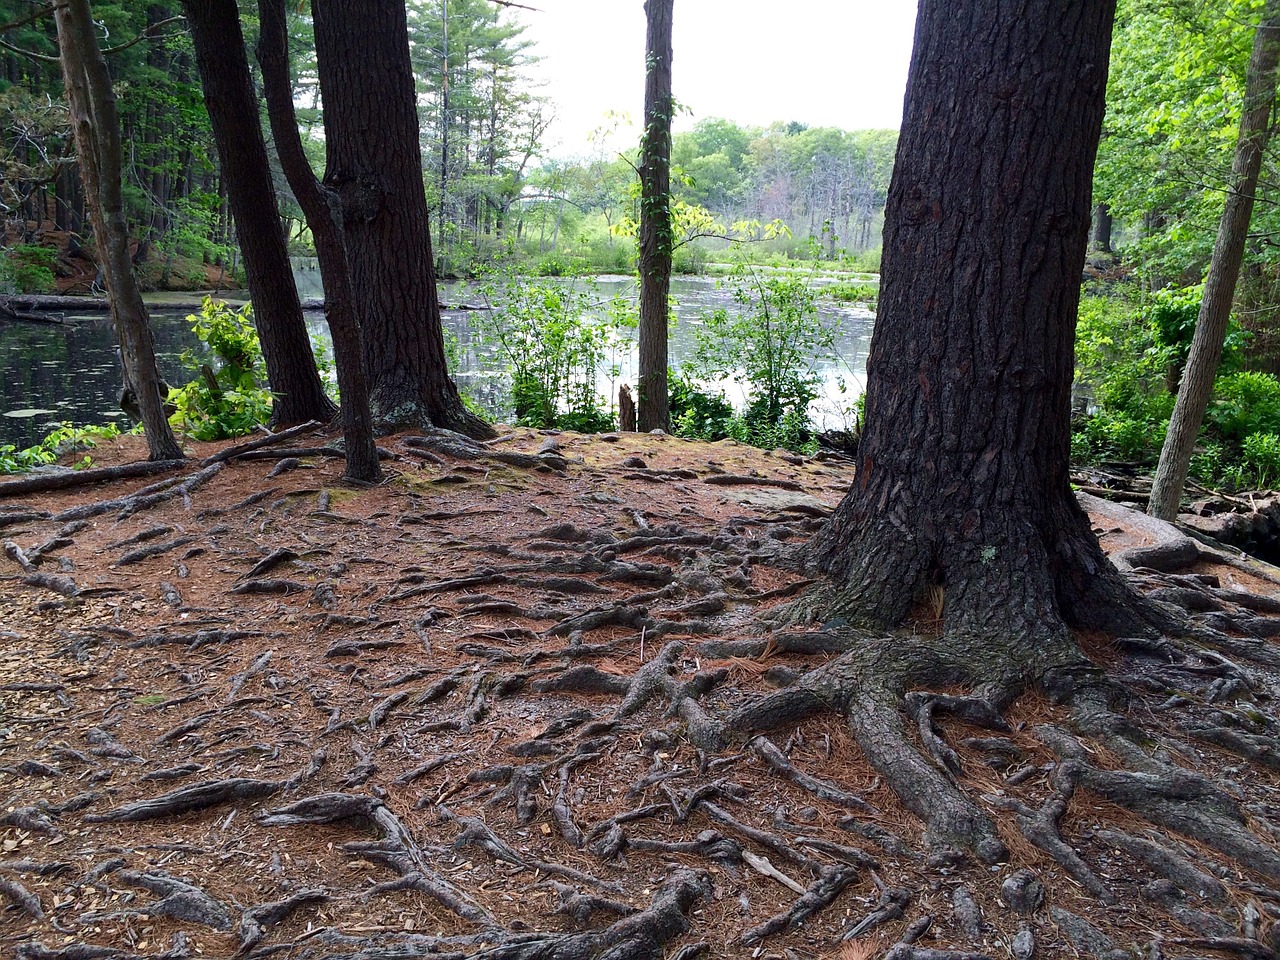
[(96, 126), (1224, 269), (656, 233), (324, 216), (445, 123), (1100, 235), (962, 488), (374, 165), (277, 312)]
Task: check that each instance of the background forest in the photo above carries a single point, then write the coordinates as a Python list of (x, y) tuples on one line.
[(486, 169), (776, 195)]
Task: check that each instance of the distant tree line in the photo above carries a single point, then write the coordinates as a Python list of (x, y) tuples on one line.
[(483, 125)]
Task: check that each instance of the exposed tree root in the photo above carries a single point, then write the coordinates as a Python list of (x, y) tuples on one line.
[(25, 486), (396, 848), (254, 921), (581, 701), (824, 890), (640, 936)]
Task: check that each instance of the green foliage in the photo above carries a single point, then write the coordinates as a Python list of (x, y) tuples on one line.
[(729, 183), (1129, 352), (553, 343), (56, 444), (768, 344), (847, 292), (481, 122), (1243, 403), (1260, 456), (28, 268), (1122, 357), (1174, 98), (227, 401), (696, 412)]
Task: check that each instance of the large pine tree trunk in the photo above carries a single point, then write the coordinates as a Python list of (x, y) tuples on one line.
[(233, 113), (656, 235), (1224, 270), (963, 466), (96, 126), (375, 168), (321, 210)]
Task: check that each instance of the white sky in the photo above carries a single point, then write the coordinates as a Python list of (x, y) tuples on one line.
[(837, 63)]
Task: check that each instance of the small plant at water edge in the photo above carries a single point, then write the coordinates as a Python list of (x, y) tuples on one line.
[(553, 341), (769, 344), (28, 268), (57, 443), (226, 402)]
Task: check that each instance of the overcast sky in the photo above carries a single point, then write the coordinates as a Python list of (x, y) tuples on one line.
[(840, 63)]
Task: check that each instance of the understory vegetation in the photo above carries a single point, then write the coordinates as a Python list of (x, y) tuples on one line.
[(225, 398), (57, 444), (1130, 350), (562, 350)]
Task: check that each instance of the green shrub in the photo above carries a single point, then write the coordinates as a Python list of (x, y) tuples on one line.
[(1260, 456), (768, 343), (695, 412), (226, 402), (1244, 403), (58, 442), (28, 268), (553, 342), (1120, 355)]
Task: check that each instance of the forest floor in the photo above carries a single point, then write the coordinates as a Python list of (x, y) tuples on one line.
[(261, 712)]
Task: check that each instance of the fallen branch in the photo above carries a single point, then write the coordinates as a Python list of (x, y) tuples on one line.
[(230, 453), (80, 478)]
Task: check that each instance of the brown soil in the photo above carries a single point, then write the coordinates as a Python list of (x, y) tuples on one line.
[(156, 675)]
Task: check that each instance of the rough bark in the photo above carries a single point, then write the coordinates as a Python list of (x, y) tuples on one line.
[(963, 466), (233, 114), (321, 209), (96, 127), (656, 234), (374, 166), (1224, 270)]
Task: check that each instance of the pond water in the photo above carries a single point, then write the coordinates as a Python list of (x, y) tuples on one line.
[(53, 373)]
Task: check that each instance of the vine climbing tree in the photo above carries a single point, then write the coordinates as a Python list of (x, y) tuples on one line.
[(656, 230)]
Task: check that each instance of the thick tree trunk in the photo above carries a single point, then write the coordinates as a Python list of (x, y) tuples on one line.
[(322, 213), (96, 126), (962, 491), (656, 234), (233, 113), (1224, 270), (375, 168)]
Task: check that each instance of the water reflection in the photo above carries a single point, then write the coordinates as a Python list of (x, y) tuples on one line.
[(52, 373)]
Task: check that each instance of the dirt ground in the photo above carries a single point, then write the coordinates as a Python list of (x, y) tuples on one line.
[(436, 680)]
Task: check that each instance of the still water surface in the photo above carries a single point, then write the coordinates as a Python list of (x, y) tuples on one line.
[(55, 373)]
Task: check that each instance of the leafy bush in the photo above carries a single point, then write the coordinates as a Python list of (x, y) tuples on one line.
[(1260, 456), (554, 343), (226, 402), (768, 344), (28, 268), (56, 443), (1122, 358), (1244, 403), (1132, 355), (695, 412)]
